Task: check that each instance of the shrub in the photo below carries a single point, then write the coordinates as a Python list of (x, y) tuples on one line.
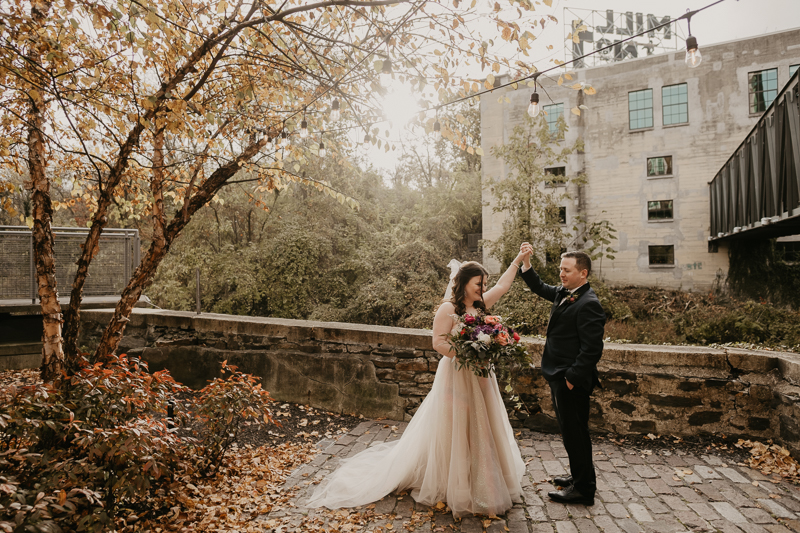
[(72, 457), (223, 408), (75, 453)]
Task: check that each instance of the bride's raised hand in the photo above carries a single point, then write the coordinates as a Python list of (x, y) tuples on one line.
[(525, 252)]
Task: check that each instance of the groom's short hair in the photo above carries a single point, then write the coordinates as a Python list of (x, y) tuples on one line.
[(582, 260)]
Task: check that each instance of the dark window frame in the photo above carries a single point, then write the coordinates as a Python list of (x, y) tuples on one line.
[(758, 97), (559, 178), (559, 217), (661, 255), (667, 164), (659, 211)]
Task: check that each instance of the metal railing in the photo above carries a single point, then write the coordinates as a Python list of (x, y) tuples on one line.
[(757, 191), (109, 271)]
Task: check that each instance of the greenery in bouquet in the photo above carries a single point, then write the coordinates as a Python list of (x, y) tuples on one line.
[(484, 344)]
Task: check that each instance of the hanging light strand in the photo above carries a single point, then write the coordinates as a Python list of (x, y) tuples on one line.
[(335, 112)]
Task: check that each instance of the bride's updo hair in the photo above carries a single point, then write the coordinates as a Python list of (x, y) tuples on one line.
[(468, 270)]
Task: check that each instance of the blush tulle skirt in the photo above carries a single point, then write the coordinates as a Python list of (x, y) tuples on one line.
[(459, 448)]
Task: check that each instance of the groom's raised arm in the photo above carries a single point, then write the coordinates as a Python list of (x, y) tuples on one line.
[(537, 286)]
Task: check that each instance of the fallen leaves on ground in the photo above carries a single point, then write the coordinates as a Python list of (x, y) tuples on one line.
[(771, 459)]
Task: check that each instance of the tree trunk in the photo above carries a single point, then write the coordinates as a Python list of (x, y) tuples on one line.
[(72, 317), (144, 273), (42, 211)]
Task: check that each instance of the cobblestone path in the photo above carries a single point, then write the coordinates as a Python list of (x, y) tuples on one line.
[(638, 491)]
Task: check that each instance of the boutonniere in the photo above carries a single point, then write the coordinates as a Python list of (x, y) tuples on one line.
[(572, 298)]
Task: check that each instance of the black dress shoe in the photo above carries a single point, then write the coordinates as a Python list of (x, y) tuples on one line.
[(570, 495), (563, 481)]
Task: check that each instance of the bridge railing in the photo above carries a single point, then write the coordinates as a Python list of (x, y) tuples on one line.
[(758, 188), (109, 272)]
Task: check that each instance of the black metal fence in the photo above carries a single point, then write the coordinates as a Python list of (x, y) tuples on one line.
[(757, 191), (109, 272)]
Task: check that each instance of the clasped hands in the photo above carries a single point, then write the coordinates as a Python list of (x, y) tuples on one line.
[(525, 253)]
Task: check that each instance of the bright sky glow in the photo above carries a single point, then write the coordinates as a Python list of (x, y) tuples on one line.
[(400, 104)]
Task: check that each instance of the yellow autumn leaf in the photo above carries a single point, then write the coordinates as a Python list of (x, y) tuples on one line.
[(575, 111), (567, 75), (588, 89), (221, 7), (479, 151), (548, 3), (561, 80)]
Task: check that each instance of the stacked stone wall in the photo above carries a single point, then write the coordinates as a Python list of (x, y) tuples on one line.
[(383, 372)]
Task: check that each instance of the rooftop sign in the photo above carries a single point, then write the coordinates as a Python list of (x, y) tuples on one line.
[(591, 30)]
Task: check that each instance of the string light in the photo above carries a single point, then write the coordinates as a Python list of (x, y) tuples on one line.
[(437, 129), (533, 107), (304, 129), (693, 59), (693, 56), (335, 113), (386, 73), (270, 145), (322, 151)]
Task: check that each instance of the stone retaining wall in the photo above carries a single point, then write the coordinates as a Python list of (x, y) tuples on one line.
[(386, 372)]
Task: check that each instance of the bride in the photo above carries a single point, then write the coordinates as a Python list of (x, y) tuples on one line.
[(459, 447)]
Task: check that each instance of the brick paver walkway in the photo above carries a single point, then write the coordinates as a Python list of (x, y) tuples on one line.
[(638, 491)]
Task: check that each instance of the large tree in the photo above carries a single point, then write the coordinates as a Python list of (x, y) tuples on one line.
[(153, 107)]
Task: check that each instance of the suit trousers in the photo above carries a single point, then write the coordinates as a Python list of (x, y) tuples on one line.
[(572, 412)]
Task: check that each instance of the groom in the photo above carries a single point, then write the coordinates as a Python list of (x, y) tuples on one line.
[(569, 364)]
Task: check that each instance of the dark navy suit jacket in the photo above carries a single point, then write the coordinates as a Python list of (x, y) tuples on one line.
[(574, 334)]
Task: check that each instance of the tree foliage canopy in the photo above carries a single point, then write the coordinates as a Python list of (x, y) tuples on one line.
[(150, 109)]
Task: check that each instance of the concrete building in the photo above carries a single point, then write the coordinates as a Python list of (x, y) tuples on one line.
[(655, 134)]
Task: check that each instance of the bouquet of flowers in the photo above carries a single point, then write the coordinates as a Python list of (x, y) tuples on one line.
[(484, 344)]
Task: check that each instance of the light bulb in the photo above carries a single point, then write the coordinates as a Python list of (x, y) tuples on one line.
[(304, 129), (335, 113), (533, 108), (322, 151), (693, 57), (437, 129), (284, 139), (367, 138), (270, 145), (386, 73)]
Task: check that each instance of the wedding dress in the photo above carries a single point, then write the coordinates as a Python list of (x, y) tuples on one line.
[(459, 448)]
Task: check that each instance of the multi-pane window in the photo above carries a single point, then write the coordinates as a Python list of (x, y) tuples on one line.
[(552, 114), (661, 255), (659, 166), (640, 109), (556, 215), (675, 104), (762, 88), (555, 176), (792, 70), (659, 210)]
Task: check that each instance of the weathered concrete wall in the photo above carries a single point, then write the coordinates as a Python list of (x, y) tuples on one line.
[(386, 372), (615, 157)]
